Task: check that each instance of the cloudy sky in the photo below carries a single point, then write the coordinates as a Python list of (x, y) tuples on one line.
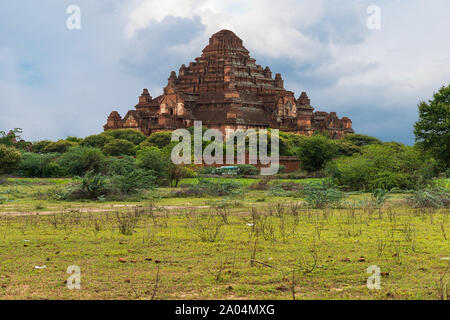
[(56, 82)]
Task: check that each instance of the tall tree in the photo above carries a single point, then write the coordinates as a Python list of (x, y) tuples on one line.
[(433, 128)]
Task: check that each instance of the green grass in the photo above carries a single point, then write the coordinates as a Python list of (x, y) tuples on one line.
[(409, 244)]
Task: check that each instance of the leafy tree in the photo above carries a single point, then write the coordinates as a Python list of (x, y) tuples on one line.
[(10, 158), (432, 130), (118, 147), (120, 166), (80, 160), (59, 146), (294, 138), (315, 151), (41, 166), (346, 148), (96, 140), (74, 139), (384, 166), (39, 146), (158, 139), (151, 158), (10, 138), (134, 136), (131, 181), (361, 139)]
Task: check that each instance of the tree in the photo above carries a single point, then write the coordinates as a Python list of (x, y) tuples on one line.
[(151, 158), (10, 138), (432, 130), (41, 165), (119, 147), (79, 160), (134, 136), (314, 152), (10, 158), (361, 140), (383, 166), (158, 139), (96, 140), (39, 146), (59, 146)]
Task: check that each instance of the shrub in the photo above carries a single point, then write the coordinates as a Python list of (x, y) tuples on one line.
[(39, 146), (133, 180), (314, 152), (218, 188), (92, 186), (207, 170), (247, 170), (346, 148), (211, 188), (119, 147), (80, 160), (361, 140), (429, 198), (158, 139), (133, 136), (97, 140), (382, 166), (59, 146), (10, 158), (178, 172), (321, 195), (262, 184), (151, 158), (40, 166), (120, 166)]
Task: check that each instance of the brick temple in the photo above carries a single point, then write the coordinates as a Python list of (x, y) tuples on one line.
[(226, 89)]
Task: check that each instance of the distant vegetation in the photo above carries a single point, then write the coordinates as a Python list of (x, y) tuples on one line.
[(126, 160)]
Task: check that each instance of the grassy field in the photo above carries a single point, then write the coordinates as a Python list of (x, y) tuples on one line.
[(250, 246)]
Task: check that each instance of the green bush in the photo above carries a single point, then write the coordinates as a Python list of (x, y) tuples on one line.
[(247, 170), (211, 188), (80, 160), (383, 166), (120, 165), (207, 170), (151, 158), (321, 195), (133, 136), (158, 139), (97, 140), (133, 180), (10, 159), (41, 166), (59, 146), (315, 152), (361, 140), (119, 147), (429, 198), (346, 148), (39, 146)]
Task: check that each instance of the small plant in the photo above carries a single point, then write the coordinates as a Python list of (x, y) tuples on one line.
[(380, 196), (321, 195), (429, 198), (205, 226), (127, 221)]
